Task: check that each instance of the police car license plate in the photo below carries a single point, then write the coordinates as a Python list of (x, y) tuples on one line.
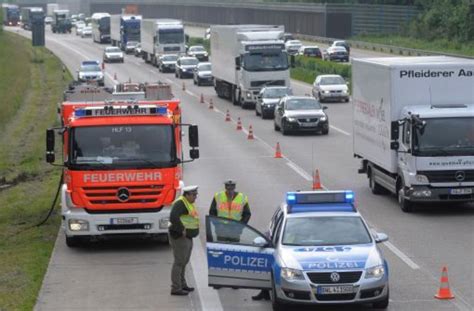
[(461, 191), (328, 290), (124, 221)]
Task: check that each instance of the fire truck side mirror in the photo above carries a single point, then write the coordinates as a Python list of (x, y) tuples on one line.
[(194, 154), (50, 157), (193, 136)]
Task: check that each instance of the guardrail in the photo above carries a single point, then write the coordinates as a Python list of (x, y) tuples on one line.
[(376, 47)]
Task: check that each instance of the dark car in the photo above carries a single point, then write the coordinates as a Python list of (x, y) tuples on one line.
[(185, 66), (302, 114), (167, 62), (203, 74), (343, 44), (338, 53), (268, 98)]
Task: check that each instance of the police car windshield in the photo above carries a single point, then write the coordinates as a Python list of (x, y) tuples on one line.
[(123, 146), (331, 230), (90, 68)]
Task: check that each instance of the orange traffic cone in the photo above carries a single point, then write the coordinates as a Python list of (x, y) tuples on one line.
[(278, 151), (239, 125), (227, 116), (211, 104), (250, 136), (202, 99), (184, 87), (317, 181), (444, 292)]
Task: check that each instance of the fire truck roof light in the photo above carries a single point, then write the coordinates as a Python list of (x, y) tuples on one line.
[(125, 110)]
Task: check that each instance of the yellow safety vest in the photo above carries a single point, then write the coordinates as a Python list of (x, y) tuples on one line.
[(232, 210), (191, 220)]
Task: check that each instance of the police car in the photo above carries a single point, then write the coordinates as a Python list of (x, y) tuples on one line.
[(319, 250)]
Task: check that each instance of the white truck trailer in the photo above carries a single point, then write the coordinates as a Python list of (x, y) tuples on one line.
[(246, 58), (50, 8), (161, 36), (414, 127)]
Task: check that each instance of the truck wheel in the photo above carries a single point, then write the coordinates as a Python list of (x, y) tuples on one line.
[(374, 186), (235, 96), (382, 304), (405, 204), (74, 241)]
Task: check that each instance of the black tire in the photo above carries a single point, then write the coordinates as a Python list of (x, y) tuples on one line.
[(74, 241), (382, 304), (275, 126), (376, 188), (404, 204), (235, 98), (325, 132)]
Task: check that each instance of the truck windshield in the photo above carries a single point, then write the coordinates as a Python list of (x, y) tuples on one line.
[(171, 36), (265, 61), (445, 136), (123, 146), (319, 231)]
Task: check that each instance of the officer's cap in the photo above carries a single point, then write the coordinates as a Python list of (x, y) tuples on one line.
[(190, 189), (229, 183)]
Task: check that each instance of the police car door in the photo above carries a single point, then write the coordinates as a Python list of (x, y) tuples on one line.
[(237, 255)]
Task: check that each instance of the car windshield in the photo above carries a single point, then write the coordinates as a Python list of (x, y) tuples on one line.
[(331, 230), (311, 50), (294, 42), (197, 49), (205, 67), (132, 43), (169, 58), (265, 61), (302, 104), (123, 146), (90, 68), (332, 81), (113, 50), (87, 28), (189, 61), (445, 137), (275, 93)]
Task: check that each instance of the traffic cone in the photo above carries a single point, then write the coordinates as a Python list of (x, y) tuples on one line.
[(317, 181), (211, 104), (239, 125), (444, 292), (202, 99), (227, 116), (278, 151), (250, 136), (184, 87)]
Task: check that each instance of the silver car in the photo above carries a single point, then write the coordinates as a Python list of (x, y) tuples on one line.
[(113, 54), (202, 74), (318, 250), (90, 71), (330, 88), (268, 98), (302, 114), (167, 62)]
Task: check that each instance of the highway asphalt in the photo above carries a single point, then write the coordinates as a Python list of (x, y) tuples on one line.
[(131, 275)]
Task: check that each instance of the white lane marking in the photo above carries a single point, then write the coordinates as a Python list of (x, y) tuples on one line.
[(300, 171), (339, 130), (191, 93), (209, 298), (150, 70), (402, 256)]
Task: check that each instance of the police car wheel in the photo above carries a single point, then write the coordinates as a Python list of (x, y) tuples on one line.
[(382, 304)]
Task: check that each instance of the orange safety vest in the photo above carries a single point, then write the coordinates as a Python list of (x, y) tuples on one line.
[(230, 209)]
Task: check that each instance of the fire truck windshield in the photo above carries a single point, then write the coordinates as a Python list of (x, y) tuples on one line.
[(122, 146)]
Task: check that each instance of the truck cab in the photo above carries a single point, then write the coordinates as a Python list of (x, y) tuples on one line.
[(61, 22)]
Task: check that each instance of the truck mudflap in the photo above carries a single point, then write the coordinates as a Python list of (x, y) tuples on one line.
[(443, 194), (78, 222)]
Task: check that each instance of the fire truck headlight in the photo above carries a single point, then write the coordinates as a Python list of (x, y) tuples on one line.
[(78, 225), (164, 223)]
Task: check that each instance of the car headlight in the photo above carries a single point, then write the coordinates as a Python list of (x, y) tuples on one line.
[(205, 54), (344, 91), (248, 94), (291, 119), (291, 274), (375, 272), (121, 55), (184, 69), (164, 223), (326, 92), (422, 179), (323, 118), (78, 225)]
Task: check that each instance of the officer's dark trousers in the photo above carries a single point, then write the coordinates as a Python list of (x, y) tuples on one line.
[(182, 248)]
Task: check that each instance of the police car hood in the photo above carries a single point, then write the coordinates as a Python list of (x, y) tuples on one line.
[(340, 257)]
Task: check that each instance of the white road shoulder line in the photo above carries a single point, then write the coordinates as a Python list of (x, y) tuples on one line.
[(300, 171), (340, 131), (402, 256), (191, 93)]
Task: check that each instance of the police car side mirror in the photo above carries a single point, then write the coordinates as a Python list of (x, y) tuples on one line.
[(380, 237), (260, 242)]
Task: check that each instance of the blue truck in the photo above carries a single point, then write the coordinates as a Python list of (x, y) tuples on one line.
[(11, 14), (31, 15), (124, 29)]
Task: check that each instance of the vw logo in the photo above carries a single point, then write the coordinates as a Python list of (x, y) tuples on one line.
[(460, 176), (123, 194), (335, 277)]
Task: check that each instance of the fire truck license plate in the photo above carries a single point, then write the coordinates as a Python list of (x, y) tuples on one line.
[(461, 191), (124, 221), (324, 290)]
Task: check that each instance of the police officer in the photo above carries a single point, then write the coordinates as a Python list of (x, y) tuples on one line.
[(232, 205), (184, 227)]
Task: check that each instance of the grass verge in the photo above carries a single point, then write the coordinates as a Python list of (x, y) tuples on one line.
[(442, 45), (31, 83)]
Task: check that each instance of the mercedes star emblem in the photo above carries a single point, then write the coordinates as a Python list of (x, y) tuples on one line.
[(335, 277), (123, 194), (460, 176)]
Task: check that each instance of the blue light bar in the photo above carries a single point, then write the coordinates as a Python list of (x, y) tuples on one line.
[(162, 110), (326, 207), (349, 196), (290, 198), (320, 197)]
